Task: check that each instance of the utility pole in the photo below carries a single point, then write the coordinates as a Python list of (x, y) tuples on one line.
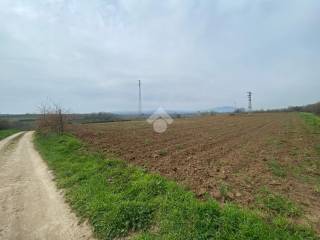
[(140, 104), (249, 101)]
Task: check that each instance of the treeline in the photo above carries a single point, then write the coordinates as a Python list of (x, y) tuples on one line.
[(4, 124), (312, 108), (17, 121), (13, 124), (96, 117)]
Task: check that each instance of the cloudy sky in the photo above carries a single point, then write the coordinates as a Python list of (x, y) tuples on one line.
[(88, 55)]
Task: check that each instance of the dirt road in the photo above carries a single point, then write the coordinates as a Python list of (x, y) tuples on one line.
[(31, 207)]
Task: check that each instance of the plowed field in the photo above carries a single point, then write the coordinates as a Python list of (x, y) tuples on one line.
[(247, 159)]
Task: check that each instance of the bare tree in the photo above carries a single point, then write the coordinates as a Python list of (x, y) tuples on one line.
[(52, 118)]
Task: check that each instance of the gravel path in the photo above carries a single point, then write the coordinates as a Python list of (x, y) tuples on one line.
[(31, 207)]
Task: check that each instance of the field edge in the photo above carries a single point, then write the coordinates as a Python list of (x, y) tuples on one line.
[(122, 200)]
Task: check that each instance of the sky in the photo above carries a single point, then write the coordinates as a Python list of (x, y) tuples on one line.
[(88, 55)]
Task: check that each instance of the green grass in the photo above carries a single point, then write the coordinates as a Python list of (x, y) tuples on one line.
[(312, 121), (224, 189), (7, 133), (163, 152), (276, 204), (121, 200), (312, 166), (276, 168)]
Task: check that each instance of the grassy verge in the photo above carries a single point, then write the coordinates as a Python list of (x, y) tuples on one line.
[(312, 121), (7, 133), (121, 200), (313, 167)]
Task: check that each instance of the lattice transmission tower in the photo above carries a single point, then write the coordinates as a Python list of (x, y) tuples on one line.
[(249, 101)]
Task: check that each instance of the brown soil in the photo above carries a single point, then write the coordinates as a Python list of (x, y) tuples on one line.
[(207, 153)]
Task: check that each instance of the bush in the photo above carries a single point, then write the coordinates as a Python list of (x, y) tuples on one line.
[(4, 124)]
